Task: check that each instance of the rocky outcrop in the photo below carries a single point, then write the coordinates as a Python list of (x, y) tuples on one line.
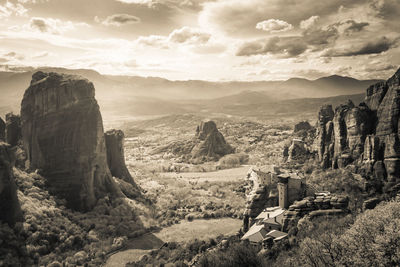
[(297, 151), (13, 129), (302, 126), (366, 135), (63, 137), (2, 130), (319, 205), (116, 156), (10, 210), (210, 143)]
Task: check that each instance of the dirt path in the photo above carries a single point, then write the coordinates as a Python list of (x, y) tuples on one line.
[(182, 232)]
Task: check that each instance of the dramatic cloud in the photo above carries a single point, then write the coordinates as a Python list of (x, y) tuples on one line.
[(355, 26), (386, 8), (274, 25), (286, 47), (8, 9), (312, 36), (238, 17), (118, 20), (320, 36), (374, 47)]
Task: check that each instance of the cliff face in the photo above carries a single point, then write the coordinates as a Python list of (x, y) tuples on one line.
[(210, 142), (10, 210), (367, 135), (116, 156), (62, 133)]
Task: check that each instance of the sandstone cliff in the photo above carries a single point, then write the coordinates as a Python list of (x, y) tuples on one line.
[(116, 156), (62, 132), (366, 135), (10, 210), (210, 142)]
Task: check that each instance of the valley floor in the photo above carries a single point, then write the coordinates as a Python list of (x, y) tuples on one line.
[(182, 232)]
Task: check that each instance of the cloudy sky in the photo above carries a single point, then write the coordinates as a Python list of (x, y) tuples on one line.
[(204, 39)]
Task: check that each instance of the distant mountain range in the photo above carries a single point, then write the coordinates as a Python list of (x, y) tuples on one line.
[(151, 96)]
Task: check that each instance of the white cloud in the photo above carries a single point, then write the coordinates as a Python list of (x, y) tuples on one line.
[(274, 25), (189, 35), (192, 39), (310, 23)]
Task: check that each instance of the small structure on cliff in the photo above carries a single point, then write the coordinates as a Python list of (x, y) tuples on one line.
[(291, 187), (270, 187)]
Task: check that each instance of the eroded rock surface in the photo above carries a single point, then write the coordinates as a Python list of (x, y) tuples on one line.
[(366, 135), (210, 142), (63, 137), (116, 155)]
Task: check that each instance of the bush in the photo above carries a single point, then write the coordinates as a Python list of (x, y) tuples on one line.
[(233, 160)]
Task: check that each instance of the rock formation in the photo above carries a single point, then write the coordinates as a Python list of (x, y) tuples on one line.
[(10, 210), (63, 137), (319, 205), (210, 142), (302, 126), (297, 151), (116, 156), (13, 129), (366, 135), (2, 130)]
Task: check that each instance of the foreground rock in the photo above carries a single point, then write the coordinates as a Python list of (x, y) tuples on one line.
[(2, 130), (10, 210), (211, 143), (63, 137), (13, 129), (366, 135)]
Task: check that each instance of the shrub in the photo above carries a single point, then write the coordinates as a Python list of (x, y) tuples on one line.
[(233, 160)]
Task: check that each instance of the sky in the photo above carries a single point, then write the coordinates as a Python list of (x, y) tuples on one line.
[(215, 40)]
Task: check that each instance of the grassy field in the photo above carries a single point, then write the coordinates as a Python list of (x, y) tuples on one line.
[(183, 232), (228, 175)]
